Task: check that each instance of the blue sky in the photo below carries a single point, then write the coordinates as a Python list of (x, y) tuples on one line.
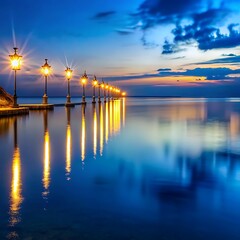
[(147, 47)]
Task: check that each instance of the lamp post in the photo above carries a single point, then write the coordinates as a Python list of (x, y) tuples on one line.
[(94, 83), (104, 91), (46, 68), (111, 89), (99, 94), (107, 90), (68, 73), (84, 79), (15, 60)]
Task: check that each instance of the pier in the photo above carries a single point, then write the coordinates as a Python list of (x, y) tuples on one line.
[(5, 112)]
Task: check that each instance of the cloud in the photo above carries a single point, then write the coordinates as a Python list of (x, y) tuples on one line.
[(103, 15), (124, 32), (164, 69), (169, 48), (176, 58), (198, 74), (195, 22), (155, 12), (229, 55), (208, 73), (227, 60)]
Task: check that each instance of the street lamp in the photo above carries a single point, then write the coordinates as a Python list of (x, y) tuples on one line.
[(84, 79), (123, 94), (15, 60), (68, 73), (104, 91), (111, 91), (46, 69), (94, 83), (99, 94), (107, 89)]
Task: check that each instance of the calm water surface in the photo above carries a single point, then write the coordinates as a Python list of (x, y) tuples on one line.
[(128, 169)]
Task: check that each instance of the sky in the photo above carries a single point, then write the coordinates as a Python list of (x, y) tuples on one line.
[(146, 47)]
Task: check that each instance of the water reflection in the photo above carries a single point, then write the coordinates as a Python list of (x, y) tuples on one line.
[(83, 133), (46, 160), (5, 124), (110, 117), (16, 185), (116, 116), (123, 110), (180, 164), (94, 131), (106, 122), (101, 129), (68, 143)]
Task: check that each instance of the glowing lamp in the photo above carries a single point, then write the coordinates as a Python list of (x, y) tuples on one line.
[(15, 60), (68, 73), (46, 68), (95, 81)]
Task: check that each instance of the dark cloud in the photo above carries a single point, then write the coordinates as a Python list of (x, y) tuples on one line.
[(176, 58), (229, 55), (154, 12), (103, 15), (169, 48), (204, 18), (208, 73), (197, 73), (164, 69), (227, 60)]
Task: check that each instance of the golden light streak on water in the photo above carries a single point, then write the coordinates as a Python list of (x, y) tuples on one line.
[(94, 131), (111, 118), (118, 116), (68, 150), (16, 188), (106, 122), (46, 164), (83, 134), (101, 129)]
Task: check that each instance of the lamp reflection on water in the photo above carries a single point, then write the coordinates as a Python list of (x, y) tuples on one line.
[(101, 128), (106, 122), (16, 185), (116, 117), (46, 161), (110, 118), (123, 110), (94, 131), (68, 144), (83, 134)]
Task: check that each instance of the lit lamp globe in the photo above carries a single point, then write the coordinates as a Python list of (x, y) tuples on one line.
[(84, 79), (46, 70), (94, 83), (15, 61)]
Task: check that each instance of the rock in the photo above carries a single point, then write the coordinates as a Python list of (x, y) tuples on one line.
[(6, 100)]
